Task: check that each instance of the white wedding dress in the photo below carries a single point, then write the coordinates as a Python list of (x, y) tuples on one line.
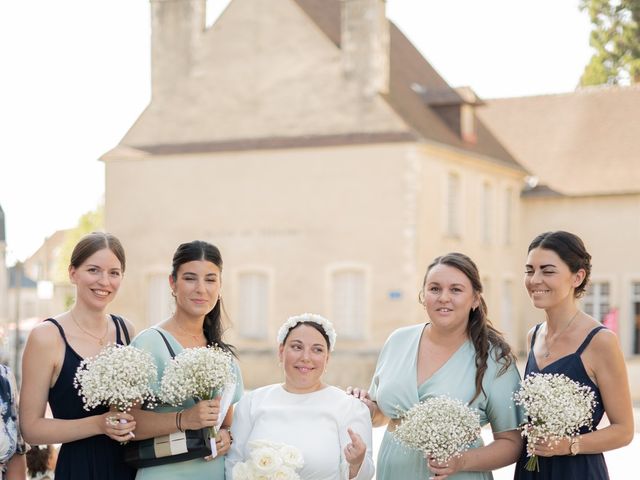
[(316, 423)]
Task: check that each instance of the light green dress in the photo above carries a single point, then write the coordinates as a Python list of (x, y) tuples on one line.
[(394, 387), (197, 469)]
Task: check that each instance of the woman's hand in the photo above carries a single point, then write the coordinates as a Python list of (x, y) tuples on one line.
[(550, 447), (223, 443), (202, 414), (354, 453), (363, 395), (118, 426), (443, 470)]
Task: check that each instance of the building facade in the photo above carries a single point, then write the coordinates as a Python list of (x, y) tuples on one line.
[(328, 161)]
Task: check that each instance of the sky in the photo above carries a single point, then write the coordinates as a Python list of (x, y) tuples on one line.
[(75, 75)]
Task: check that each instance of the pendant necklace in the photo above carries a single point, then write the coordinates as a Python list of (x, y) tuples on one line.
[(549, 344), (101, 340)]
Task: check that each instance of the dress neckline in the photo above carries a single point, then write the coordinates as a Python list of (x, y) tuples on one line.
[(441, 368), (281, 385)]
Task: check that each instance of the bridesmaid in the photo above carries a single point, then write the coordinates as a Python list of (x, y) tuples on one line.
[(455, 353), (573, 343), (90, 440), (195, 281)]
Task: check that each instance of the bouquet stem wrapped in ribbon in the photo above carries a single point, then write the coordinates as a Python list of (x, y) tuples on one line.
[(440, 427), (556, 407), (201, 373)]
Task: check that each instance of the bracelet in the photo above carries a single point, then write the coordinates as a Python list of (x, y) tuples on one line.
[(228, 430), (179, 420)]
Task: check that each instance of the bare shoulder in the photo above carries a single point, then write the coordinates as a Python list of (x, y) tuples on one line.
[(45, 334), (43, 344), (605, 342)]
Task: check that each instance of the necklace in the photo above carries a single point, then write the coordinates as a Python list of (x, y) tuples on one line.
[(101, 340), (196, 338), (549, 344)]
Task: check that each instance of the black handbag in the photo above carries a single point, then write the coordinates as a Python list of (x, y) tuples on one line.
[(172, 448)]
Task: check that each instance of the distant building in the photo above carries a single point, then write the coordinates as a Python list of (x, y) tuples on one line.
[(330, 162), (582, 148), (327, 159)]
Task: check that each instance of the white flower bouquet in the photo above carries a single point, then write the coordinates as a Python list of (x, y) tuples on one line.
[(269, 461), (556, 407), (118, 377), (200, 373), (440, 427)]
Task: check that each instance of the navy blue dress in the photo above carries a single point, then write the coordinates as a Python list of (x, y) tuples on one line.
[(566, 467), (93, 458)]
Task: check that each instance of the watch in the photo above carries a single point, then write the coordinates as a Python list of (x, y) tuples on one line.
[(574, 447)]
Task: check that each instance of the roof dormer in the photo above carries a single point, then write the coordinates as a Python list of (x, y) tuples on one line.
[(455, 106)]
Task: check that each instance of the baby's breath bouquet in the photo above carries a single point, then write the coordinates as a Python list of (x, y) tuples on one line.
[(440, 427), (118, 377), (556, 407), (269, 461), (200, 373)]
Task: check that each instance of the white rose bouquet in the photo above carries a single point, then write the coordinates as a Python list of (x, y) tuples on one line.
[(556, 407), (269, 461), (198, 373), (118, 377), (440, 427)]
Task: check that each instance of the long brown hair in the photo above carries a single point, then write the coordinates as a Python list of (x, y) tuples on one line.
[(479, 328)]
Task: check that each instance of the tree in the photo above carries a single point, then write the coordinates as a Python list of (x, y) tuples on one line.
[(616, 40), (89, 222)]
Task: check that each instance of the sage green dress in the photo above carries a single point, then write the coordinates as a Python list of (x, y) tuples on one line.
[(394, 387), (197, 469)]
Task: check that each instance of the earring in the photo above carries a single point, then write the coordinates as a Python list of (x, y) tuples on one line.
[(173, 294)]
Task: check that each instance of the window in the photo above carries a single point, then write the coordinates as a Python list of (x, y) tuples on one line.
[(596, 301), (253, 307), (486, 291), (453, 205), (160, 304), (635, 314), (348, 302), (506, 310), (485, 213), (508, 214)]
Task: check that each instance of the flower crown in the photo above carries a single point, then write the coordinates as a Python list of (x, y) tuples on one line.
[(291, 322)]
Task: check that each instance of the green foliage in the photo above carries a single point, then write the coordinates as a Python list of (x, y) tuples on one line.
[(89, 222), (616, 40)]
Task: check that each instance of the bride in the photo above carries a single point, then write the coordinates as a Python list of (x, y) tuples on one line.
[(331, 429)]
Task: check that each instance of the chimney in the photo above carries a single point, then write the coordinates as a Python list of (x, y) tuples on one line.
[(364, 40), (176, 29)]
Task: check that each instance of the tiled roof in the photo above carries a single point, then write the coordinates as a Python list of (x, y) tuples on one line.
[(416, 90), (411, 78), (581, 143), (25, 282)]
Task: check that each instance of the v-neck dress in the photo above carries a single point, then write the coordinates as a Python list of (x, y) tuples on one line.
[(394, 387), (566, 467), (198, 468)]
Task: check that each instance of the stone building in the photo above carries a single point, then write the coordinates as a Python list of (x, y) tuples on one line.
[(327, 159)]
